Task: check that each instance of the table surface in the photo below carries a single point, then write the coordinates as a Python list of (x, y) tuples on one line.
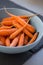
[(27, 58), (36, 59)]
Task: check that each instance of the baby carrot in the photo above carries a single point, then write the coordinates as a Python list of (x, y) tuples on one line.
[(7, 19), (22, 22), (5, 27), (13, 35), (21, 40), (26, 39), (7, 42), (34, 38), (7, 32), (2, 39), (26, 20), (15, 24), (7, 23), (14, 42), (25, 30), (1, 43)]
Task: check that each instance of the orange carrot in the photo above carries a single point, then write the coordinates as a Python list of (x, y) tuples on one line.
[(13, 35), (7, 19), (14, 42), (25, 31), (26, 39), (21, 21), (26, 20), (28, 33), (15, 24), (5, 27), (34, 38), (21, 40), (7, 23), (7, 32), (1, 43), (2, 39), (7, 42)]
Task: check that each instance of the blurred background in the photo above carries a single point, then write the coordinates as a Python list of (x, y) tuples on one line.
[(34, 5)]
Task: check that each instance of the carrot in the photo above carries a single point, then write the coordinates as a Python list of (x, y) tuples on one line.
[(14, 42), (7, 19), (15, 24), (28, 33), (22, 22), (26, 20), (7, 32), (5, 27), (34, 38), (2, 39), (26, 39), (7, 42), (7, 23), (25, 31), (1, 43), (21, 40), (13, 35)]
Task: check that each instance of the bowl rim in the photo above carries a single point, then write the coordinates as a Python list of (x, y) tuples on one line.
[(27, 44)]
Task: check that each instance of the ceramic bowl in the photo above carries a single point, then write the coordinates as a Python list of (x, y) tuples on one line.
[(35, 21)]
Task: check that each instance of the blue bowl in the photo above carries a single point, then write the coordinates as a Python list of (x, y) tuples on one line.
[(35, 21)]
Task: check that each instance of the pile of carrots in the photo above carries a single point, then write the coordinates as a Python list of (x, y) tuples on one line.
[(17, 31)]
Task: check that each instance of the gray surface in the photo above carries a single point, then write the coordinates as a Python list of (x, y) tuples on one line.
[(36, 59)]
